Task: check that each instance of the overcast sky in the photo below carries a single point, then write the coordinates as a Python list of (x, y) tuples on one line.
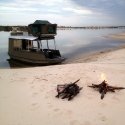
[(63, 12)]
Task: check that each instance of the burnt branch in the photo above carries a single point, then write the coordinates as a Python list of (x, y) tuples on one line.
[(68, 90), (103, 88)]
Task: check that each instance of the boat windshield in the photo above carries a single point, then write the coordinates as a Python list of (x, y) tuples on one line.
[(48, 44), (41, 45)]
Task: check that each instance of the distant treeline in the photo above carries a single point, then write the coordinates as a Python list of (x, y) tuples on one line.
[(25, 28), (10, 28), (91, 27)]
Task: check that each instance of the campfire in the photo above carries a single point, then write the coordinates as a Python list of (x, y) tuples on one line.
[(68, 90), (103, 87)]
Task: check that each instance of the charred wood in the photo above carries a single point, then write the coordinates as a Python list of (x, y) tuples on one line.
[(68, 90), (103, 88)]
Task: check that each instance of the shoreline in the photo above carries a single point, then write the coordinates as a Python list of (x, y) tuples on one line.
[(90, 57)]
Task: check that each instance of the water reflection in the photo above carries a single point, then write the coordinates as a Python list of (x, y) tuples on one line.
[(18, 64), (73, 41), (9, 63)]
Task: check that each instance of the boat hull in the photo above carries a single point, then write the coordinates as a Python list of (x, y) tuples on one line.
[(37, 61)]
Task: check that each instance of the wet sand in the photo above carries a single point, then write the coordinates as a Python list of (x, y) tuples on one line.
[(27, 95), (117, 36)]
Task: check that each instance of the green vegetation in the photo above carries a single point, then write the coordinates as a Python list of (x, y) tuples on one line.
[(9, 28)]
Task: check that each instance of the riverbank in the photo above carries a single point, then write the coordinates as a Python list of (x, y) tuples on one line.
[(27, 95), (94, 56)]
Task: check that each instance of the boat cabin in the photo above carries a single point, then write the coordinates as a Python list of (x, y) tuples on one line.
[(42, 28), (32, 49)]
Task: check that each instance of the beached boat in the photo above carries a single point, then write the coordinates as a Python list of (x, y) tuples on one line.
[(29, 49)]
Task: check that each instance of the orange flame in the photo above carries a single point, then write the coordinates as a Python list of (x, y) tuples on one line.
[(103, 77)]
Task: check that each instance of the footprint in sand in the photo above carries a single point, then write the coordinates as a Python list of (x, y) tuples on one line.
[(56, 110), (44, 79), (22, 79), (103, 104), (32, 87), (89, 97), (42, 87), (34, 106), (69, 111), (86, 123), (115, 98), (47, 96), (103, 118), (41, 90), (35, 94), (50, 105), (74, 122)]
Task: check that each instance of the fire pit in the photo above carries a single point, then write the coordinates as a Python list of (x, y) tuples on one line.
[(103, 88), (68, 90)]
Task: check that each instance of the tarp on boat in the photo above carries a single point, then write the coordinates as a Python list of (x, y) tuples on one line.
[(24, 37), (42, 27), (41, 22)]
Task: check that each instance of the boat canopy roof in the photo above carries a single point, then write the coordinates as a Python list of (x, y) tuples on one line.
[(24, 37), (31, 37), (41, 22)]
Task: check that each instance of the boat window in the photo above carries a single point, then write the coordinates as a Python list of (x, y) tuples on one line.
[(24, 45), (35, 44), (50, 44), (35, 29), (17, 44), (30, 44)]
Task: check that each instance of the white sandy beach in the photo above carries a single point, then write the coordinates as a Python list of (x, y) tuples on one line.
[(27, 95)]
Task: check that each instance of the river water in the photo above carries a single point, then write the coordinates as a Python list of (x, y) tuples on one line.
[(71, 43)]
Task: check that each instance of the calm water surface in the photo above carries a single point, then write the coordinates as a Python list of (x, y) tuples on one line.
[(71, 43)]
